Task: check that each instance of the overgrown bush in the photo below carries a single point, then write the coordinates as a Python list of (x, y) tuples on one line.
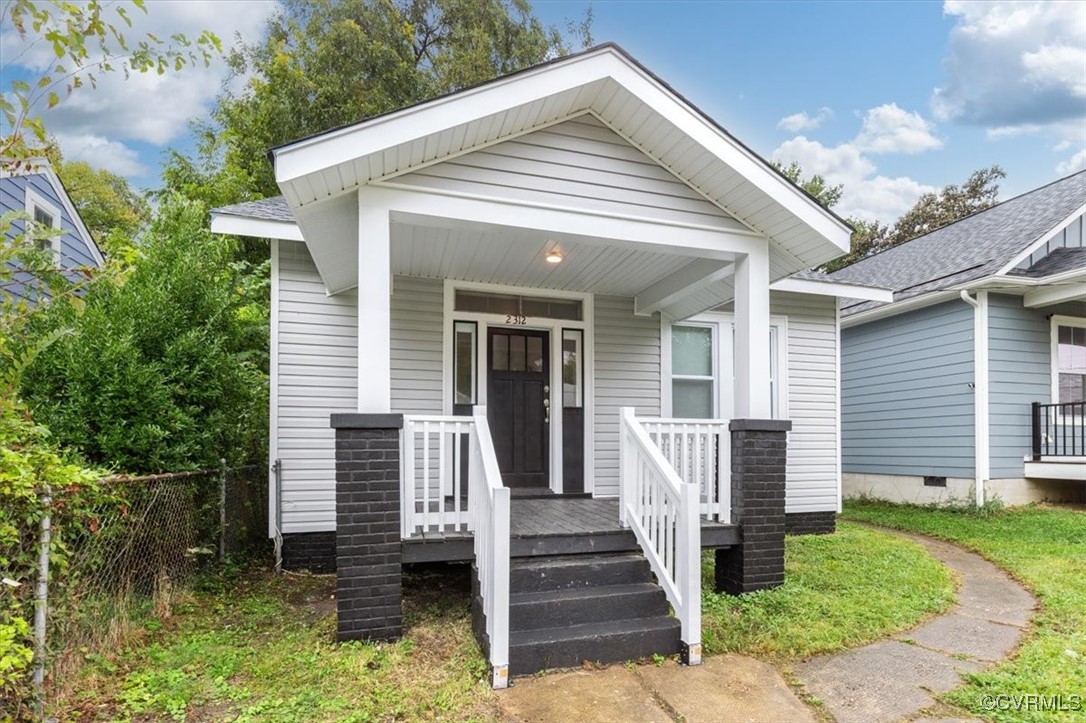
[(166, 371)]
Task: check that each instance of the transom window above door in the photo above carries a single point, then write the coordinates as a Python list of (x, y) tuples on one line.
[(518, 306)]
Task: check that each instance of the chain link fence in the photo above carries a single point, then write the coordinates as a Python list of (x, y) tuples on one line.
[(131, 562)]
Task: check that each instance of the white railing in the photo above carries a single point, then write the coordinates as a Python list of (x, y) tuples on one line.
[(662, 510), (490, 521), (434, 487), (699, 451)]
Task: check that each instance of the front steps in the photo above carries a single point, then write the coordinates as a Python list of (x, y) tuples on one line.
[(564, 610)]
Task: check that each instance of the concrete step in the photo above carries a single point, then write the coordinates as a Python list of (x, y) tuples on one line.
[(566, 572), (531, 651), (576, 606)]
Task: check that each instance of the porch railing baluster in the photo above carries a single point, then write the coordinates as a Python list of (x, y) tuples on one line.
[(1058, 430)]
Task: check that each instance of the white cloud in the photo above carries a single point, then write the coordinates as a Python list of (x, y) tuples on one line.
[(1073, 164), (867, 195), (100, 152), (146, 107), (889, 129), (1014, 64), (802, 122)]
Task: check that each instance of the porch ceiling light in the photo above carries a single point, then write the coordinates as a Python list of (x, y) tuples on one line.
[(554, 257)]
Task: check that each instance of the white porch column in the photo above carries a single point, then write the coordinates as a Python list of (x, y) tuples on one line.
[(752, 335), (374, 319)]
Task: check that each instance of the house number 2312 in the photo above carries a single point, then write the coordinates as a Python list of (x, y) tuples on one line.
[(513, 319)]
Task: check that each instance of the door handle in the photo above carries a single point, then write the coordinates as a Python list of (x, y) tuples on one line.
[(546, 411)]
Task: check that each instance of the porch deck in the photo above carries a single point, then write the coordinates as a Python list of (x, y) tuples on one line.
[(556, 526)]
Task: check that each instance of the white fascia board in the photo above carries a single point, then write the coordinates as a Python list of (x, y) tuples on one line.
[(254, 227), (315, 154), (1074, 290), (833, 288), (1041, 241), (900, 307)]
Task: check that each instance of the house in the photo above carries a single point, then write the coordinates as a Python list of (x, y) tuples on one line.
[(549, 325), (969, 384), (36, 190)]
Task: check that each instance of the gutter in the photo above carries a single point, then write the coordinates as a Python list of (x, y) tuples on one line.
[(981, 458)]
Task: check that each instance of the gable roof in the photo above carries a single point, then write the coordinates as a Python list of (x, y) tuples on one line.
[(42, 167), (315, 173), (975, 247)]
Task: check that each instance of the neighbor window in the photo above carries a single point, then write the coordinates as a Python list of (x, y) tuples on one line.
[(693, 371), (45, 216), (1071, 362)]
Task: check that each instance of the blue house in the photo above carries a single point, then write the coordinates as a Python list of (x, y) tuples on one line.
[(969, 385), (39, 192)]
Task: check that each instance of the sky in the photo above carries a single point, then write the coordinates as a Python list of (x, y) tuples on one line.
[(890, 99)]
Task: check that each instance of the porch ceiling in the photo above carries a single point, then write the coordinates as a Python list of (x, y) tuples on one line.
[(516, 257)]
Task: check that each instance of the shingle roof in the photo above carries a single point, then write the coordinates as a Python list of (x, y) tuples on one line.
[(812, 275), (1057, 261), (269, 209), (970, 248)]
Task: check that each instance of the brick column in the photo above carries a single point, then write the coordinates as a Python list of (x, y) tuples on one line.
[(368, 570), (759, 448)]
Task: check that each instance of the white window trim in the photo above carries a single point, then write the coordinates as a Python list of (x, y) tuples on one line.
[(555, 326), (724, 362), (1054, 356), (35, 200)]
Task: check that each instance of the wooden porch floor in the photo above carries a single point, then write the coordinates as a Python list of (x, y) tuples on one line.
[(556, 526)]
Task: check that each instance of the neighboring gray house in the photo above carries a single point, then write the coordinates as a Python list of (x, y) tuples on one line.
[(39, 193), (570, 287), (970, 384)]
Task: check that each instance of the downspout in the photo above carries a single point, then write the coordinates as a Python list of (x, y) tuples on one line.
[(980, 390)]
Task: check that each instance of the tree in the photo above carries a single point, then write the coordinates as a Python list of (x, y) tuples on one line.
[(935, 210), (165, 371), (87, 40), (816, 185), (104, 200), (324, 64)]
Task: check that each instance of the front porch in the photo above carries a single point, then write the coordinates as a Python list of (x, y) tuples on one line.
[(556, 525)]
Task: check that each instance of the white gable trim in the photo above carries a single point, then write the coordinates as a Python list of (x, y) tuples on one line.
[(536, 86), (42, 166), (254, 227), (832, 288), (1041, 241)]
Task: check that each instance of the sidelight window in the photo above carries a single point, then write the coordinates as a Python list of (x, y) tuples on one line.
[(572, 361), (464, 344)]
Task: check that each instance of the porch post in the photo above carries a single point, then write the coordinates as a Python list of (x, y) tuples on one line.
[(752, 335), (374, 300)]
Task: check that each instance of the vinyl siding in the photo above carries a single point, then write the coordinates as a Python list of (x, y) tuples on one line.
[(812, 400), (317, 375), (579, 163), (1020, 373), (907, 404), (74, 251), (626, 374), (416, 335)]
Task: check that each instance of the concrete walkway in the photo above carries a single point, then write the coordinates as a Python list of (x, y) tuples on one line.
[(895, 679), (890, 680)]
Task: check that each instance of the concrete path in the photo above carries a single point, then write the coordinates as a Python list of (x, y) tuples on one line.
[(895, 679), (723, 688), (889, 680)]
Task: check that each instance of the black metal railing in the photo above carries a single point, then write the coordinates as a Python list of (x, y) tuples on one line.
[(1059, 430)]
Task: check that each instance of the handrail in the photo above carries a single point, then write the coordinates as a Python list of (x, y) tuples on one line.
[(699, 451), (490, 515), (433, 469), (1059, 430), (662, 511)]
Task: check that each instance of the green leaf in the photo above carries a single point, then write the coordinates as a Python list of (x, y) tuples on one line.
[(53, 99)]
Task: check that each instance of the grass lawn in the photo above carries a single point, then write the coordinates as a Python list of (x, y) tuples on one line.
[(260, 647), (1043, 547), (840, 591)]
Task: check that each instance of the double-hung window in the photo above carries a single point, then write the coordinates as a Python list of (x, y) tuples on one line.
[(1069, 360), (46, 216)]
